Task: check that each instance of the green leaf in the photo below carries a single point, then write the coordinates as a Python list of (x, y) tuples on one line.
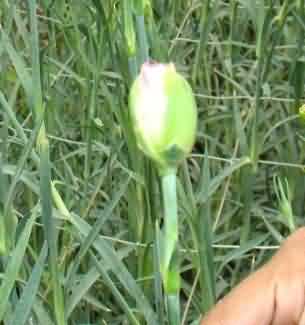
[(214, 184), (241, 251), (14, 265), (86, 282), (91, 236), (110, 257), (27, 299), (118, 296)]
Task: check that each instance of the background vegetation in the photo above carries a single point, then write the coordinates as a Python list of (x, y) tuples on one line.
[(80, 205)]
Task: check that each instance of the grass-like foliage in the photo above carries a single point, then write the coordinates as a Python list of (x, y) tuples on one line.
[(81, 208)]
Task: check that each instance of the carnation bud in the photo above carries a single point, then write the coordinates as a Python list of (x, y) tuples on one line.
[(302, 113), (164, 114)]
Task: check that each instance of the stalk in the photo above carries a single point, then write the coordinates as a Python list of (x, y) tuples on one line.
[(49, 225), (138, 196), (130, 39), (170, 262), (143, 45), (143, 52)]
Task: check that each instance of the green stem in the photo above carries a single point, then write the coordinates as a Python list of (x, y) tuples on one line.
[(133, 67), (170, 215), (173, 308), (170, 267), (50, 226), (143, 44)]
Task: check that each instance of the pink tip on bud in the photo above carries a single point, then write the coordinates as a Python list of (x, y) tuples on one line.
[(153, 72)]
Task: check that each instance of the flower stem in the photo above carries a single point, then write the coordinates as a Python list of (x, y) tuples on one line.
[(170, 268), (173, 308)]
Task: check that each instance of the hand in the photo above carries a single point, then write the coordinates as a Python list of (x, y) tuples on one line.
[(273, 295)]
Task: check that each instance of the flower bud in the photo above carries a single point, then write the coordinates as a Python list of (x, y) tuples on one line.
[(164, 114), (302, 113)]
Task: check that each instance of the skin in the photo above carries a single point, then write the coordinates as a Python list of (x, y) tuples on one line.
[(273, 295)]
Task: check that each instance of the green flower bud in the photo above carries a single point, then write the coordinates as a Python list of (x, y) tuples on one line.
[(302, 113), (164, 114)]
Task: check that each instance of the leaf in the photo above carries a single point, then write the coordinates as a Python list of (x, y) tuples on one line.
[(20, 68), (86, 282), (241, 251), (118, 296), (111, 258), (14, 265), (205, 193), (27, 300), (94, 231)]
